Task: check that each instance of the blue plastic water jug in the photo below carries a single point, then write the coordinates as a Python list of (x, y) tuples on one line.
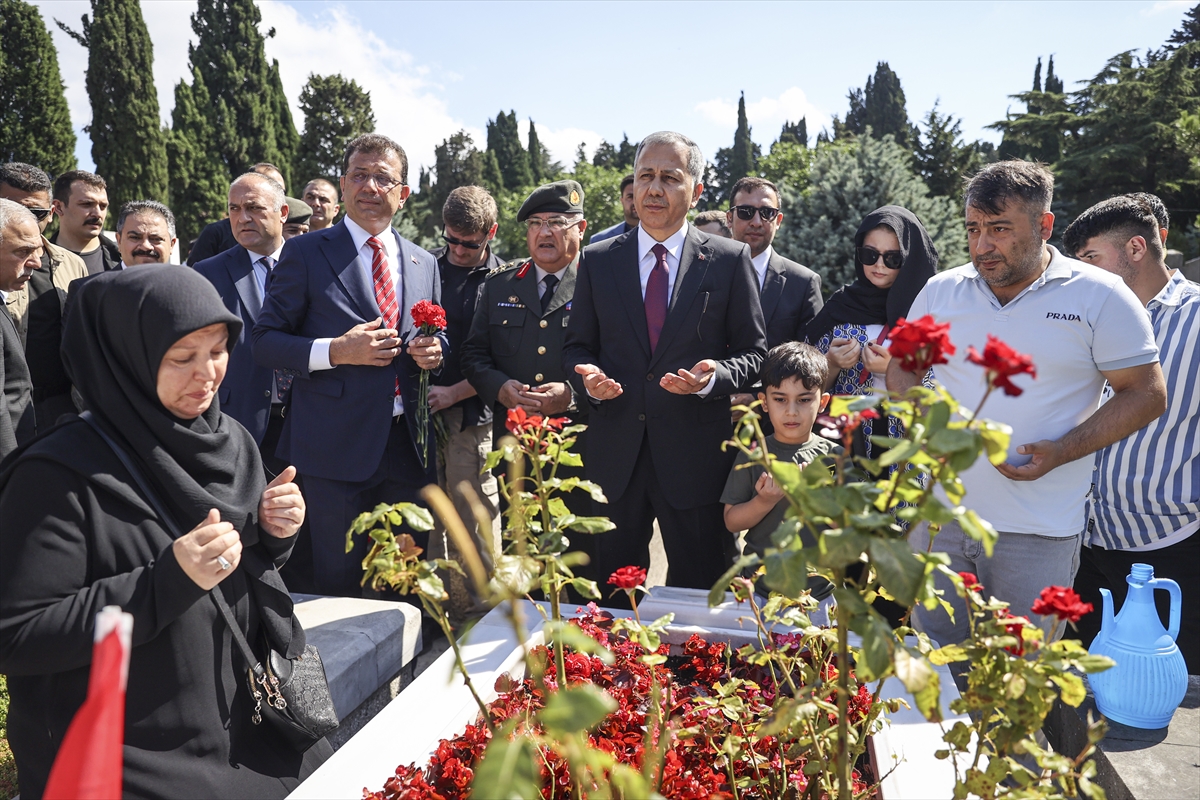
[(1150, 678)]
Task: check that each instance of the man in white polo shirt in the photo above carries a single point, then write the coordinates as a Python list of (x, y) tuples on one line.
[(1145, 501), (1082, 326)]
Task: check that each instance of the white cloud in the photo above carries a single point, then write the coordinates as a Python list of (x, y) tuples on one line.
[(767, 114), (561, 142)]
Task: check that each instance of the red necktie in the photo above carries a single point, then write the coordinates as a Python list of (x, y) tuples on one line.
[(385, 292), (656, 295)]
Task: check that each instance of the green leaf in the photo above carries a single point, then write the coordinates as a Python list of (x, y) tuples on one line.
[(948, 655), (591, 524), (837, 548), (951, 440), (716, 595), (877, 641), (928, 699), (912, 670), (899, 571), (1095, 663), (1073, 691), (574, 637), (978, 529), (996, 438), (418, 518), (787, 572), (594, 490), (557, 507), (938, 417), (576, 709), (568, 459), (515, 575), (510, 769), (902, 451)]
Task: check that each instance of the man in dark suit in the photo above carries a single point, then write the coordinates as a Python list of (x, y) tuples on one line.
[(665, 326), (790, 293), (337, 313), (217, 237), (252, 394), (20, 255)]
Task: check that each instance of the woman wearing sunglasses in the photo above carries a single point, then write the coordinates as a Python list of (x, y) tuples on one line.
[(893, 258)]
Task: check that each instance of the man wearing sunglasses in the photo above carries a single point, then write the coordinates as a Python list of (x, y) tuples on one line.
[(790, 293), (38, 306)]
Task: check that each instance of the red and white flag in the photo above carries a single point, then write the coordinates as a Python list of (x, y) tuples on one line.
[(89, 763)]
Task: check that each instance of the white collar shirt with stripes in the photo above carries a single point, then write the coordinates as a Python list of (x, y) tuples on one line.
[(1146, 494)]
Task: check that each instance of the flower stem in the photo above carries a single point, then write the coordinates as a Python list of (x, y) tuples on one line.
[(843, 697), (435, 610)]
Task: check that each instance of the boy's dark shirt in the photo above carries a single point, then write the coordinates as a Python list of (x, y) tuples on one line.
[(460, 290)]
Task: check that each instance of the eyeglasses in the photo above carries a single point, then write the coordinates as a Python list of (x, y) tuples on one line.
[(556, 223), (385, 183), (40, 213), (460, 243), (892, 259), (747, 212)]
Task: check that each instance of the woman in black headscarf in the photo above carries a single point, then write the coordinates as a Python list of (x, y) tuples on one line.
[(893, 259), (147, 349)]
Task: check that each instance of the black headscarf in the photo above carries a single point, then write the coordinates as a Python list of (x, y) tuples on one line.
[(864, 303), (121, 325)]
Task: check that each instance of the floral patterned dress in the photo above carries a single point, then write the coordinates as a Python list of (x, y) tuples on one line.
[(849, 382)]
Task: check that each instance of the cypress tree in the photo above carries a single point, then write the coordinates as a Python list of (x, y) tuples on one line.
[(286, 138), (626, 151), (504, 141), (35, 124), (743, 159), (540, 166), (335, 111), (605, 155), (883, 102), (199, 182), (795, 132), (129, 146), (1054, 84)]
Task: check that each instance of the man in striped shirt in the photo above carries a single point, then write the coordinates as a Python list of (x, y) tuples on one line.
[(1145, 500)]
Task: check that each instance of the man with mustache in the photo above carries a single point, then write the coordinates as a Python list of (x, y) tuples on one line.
[(81, 205), (20, 254), (38, 305), (145, 233), (1082, 327)]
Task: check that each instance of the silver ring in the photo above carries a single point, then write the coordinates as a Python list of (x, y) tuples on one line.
[(224, 564)]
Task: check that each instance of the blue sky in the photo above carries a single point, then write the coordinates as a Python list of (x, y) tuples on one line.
[(588, 70)]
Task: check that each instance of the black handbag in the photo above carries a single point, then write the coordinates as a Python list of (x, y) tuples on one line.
[(298, 702)]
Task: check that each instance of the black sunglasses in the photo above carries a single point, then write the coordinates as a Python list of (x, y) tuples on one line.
[(892, 259), (40, 213), (461, 243), (747, 212)]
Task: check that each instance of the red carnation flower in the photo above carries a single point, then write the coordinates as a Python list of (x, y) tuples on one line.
[(969, 580), (628, 578), (920, 344), (429, 317), (518, 421), (1001, 363), (1062, 602)]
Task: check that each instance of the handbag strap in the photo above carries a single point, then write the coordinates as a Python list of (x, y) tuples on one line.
[(172, 528)]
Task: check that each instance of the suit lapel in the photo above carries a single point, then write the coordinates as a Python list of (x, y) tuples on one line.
[(241, 272), (772, 288), (565, 289), (629, 286), (409, 287), (693, 263), (527, 289), (338, 248)]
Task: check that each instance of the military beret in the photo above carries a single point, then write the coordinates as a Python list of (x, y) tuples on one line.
[(298, 211), (562, 196)]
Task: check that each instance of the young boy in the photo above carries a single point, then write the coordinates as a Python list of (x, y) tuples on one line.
[(793, 375)]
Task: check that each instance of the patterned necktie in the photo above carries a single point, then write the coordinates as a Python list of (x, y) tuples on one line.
[(551, 282), (385, 291), (656, 295), (283, 377)]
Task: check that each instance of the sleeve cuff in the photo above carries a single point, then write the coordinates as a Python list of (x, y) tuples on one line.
[(318, 356), (708, 387), (1126, 363)]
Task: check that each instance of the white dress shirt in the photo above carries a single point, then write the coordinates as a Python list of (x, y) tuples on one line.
[(760, 265), (318, 356)]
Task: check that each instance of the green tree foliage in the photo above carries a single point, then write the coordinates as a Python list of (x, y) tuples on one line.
[(618, 157), (542, 168), (199, 183), (286, 137), (35, 124), (601, 195), (335, 111), (1187, 32), (732, 163), (880, 107), (847, 180), (129, 144), (1040, 133), (504, 141), (786, 164), (941, 157), (796, 132)]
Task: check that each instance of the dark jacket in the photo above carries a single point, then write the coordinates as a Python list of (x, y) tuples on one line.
[(714, 313), (791, 296), (16, 416), (245, 394), (110, 254), (76, 538), (216, 238)]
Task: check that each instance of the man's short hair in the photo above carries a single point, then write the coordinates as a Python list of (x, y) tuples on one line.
[(1118, 219), (750, 184), (25, 177), (377, 145), (146, 207), (794, 360), (470, 209), (1156, 207), (709, 217), (273, 188), (1027, 182), (695, 157), (332, 188), (628, 179), (63, 183), (11, 212)]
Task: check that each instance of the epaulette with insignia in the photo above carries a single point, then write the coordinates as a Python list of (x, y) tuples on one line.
[(505, 267)]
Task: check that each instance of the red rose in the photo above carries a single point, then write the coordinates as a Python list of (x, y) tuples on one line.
[(1013, 627), (1001, 363), (428, 316), (920, 344), (969, 580), (1062, 603), (628, 578)]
